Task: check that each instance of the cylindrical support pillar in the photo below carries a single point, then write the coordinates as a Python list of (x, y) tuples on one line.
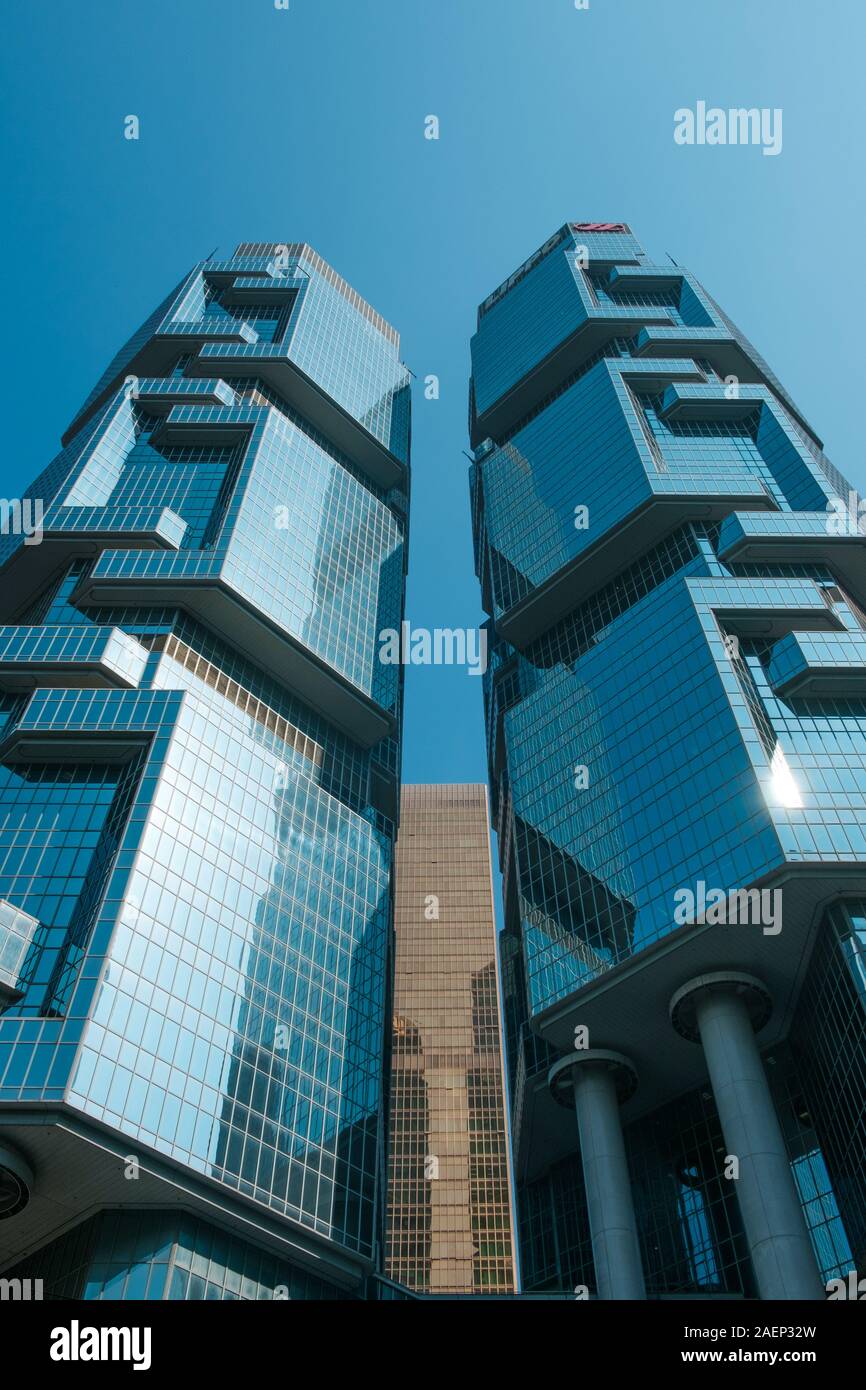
[(595, 1082), (724, 1011)]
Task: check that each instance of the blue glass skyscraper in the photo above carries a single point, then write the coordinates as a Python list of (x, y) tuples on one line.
[(675, 578), (199, 785)]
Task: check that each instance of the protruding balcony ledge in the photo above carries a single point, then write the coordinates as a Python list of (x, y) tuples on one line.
[(72, 532), (195, 424), (28, 745), (656, 337), (17, 929), (257, 269), (711, 401), (718, 345), (211, 327), (157, 357), (831, 664), (225, 349), (647, 374), (600, 328), (750, 538), (158, 395), (101, 525), (206, 596), (154, 361), (726, 354), (634, 278), (262, 289), (643, 528), (152, 367), (657, 373), (101, 727), (274, 366), (85, 656), (764, 608)]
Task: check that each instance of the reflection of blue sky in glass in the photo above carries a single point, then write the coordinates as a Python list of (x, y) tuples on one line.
[(237, 1026), (696, 1233), (829, 1241)]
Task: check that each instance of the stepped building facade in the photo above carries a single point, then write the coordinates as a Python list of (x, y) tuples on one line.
[(199, 791), (675, 584)]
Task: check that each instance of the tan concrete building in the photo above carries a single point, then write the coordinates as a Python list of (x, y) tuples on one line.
[(449, 1193)]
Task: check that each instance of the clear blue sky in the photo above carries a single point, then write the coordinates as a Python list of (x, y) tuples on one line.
[(308, 124)]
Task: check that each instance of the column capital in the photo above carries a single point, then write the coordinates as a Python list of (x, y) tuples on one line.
[(685, 1002), (16, 1181), (561, 1076)]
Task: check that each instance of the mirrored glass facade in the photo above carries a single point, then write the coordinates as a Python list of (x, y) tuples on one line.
[(449, 1227), (675, 706), (199, 785)]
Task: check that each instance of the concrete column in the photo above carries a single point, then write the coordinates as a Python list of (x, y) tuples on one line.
[(724, 1011), (597, 1081)]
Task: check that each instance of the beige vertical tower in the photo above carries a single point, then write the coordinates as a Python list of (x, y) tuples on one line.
[(449, 1207)]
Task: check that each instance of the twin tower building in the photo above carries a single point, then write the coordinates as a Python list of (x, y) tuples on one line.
[(251, 1032)]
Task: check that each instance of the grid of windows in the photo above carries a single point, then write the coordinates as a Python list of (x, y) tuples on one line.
[(691, 1235), (153, 1255), (449, 1218), (829, 1040), (298, 537), (189, 481), (202, 853), (250, 930), (640, 743)]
